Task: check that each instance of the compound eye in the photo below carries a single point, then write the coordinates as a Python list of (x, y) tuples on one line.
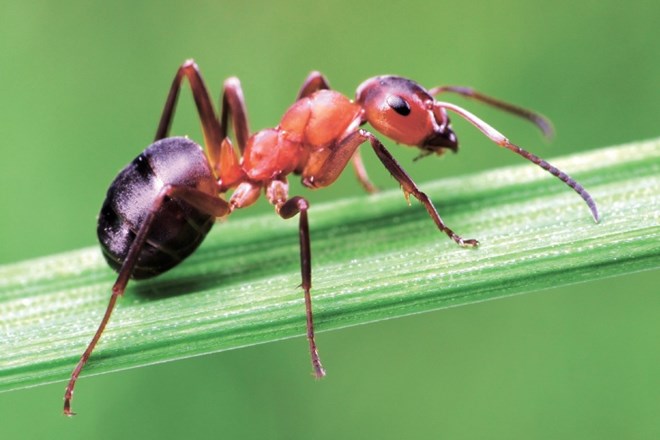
[(398, 104)]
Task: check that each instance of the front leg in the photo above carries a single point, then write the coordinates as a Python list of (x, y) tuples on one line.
[(324, 166), (314, 82), (409, 187)]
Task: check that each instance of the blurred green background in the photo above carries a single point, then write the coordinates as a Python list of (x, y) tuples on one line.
[(82, 85)]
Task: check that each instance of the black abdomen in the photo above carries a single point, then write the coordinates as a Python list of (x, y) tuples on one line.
[(177, 229)]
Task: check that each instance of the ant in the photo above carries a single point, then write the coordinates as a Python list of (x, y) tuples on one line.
[(161, 206)]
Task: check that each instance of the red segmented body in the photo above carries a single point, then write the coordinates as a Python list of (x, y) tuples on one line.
[(161, 206)]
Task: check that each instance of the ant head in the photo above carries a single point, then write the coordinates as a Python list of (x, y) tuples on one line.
[(405, 112)]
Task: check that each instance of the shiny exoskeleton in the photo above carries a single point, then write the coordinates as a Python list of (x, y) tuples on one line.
[(160, 207), (178, 229)]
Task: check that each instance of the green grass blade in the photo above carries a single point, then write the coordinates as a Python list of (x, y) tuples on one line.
[(374, 258)]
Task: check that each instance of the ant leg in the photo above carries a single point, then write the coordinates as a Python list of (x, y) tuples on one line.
[(540, 121), (361, 173), (213, 132), (227, 167), (409, 187), (314, 82), (502, 141), (277, 192), (213, 205), (324, 168), (233, 105)]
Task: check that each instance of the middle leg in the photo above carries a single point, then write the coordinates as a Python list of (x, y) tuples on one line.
[(277, 193), (314, 82)]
